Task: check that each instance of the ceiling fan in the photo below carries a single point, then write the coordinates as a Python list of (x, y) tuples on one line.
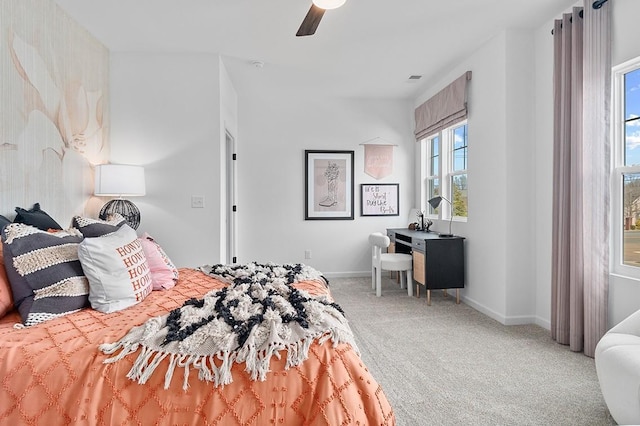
[(314, 15)]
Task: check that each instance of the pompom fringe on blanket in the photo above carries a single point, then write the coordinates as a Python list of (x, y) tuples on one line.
[(258, 315)]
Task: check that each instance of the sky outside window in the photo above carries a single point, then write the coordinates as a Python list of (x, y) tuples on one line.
[(632, 117)]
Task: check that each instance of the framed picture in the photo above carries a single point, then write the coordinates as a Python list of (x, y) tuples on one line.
[(328, 179), (379, 199)]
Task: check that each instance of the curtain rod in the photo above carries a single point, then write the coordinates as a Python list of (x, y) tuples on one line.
[(599, 3), (596, 5)]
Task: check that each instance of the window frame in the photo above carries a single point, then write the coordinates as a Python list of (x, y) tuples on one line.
[(430, 175), (619, 169), (445, 173), (452, 172)]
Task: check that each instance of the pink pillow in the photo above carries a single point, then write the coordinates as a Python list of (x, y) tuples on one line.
[(6, 296), (164, 274)]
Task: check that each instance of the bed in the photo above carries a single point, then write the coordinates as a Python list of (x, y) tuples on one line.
[(54, 373)]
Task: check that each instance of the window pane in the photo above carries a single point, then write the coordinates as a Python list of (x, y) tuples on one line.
[(460, 148), (631, 114), (460, 137), (632, 94), (631, 212), (460, 159), (632, 143), (459, 195), (433, 190), (435, 157)]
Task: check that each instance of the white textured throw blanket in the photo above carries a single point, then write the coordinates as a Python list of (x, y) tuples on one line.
[(258, 315)]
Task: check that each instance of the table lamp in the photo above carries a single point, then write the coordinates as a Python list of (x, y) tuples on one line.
[(120, 180), (435, 202)]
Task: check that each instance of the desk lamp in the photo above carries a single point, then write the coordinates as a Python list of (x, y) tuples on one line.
[(435, 202)]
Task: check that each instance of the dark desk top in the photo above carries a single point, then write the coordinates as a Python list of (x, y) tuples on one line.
[(422, 235)]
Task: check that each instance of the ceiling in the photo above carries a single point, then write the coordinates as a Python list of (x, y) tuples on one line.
[(365, 49)]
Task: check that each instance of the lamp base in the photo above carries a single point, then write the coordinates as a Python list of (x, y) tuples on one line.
[(445, 235), (126, 208)]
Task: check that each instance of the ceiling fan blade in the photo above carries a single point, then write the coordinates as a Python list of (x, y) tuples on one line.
[(311, 21)]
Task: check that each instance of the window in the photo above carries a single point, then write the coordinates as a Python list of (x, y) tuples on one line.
[(446, 171), (626, 170), (433, 170), (458, 175)]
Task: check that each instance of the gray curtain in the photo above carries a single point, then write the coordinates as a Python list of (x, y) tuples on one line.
[(580, 266)]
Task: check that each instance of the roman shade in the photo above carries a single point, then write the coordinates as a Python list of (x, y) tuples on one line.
[(445, 108)]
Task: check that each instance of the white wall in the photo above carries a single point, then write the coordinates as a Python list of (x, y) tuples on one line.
[(520, 147), (166, 115), (543, 170), (170, 112), (500, 231), (277, 126)]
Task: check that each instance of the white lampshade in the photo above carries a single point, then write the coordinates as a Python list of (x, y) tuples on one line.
[(329, 4), (118, 180)]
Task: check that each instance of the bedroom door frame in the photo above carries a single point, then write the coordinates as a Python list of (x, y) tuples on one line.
[(231, 210)]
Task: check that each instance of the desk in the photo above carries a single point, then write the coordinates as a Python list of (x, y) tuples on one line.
[(438, 263)]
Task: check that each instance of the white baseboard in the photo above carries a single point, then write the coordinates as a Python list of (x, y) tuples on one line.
[(506, 320), (544, 323), (481, 308)]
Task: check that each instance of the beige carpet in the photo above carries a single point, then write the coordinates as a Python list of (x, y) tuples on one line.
[(448, 364)]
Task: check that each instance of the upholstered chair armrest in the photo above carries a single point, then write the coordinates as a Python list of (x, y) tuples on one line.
[(617, 359)]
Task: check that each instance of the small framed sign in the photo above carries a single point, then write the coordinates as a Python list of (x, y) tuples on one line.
[(379, 199)]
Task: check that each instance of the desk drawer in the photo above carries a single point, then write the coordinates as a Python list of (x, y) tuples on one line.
[(418, 244)]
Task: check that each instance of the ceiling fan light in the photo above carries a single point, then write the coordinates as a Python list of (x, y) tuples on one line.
[(329, 4)]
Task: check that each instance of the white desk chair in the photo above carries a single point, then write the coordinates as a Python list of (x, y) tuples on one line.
[(389, 262)]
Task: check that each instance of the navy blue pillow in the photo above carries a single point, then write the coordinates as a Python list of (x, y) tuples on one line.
[(3, 222), (36, 217), (90, 228)]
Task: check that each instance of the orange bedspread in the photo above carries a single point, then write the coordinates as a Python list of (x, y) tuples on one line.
[(53, 374)]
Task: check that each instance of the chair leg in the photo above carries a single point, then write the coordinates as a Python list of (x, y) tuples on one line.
[(403, 279), (378, 282), (409, 282), (373, 277)]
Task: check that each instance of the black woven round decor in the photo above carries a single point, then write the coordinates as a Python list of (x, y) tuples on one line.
[(126, 208)]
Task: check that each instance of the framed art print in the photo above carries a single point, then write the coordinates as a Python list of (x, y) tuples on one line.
[(379, 199), (328, 185)]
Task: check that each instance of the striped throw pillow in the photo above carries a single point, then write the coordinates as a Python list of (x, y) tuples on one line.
[(45, 274)]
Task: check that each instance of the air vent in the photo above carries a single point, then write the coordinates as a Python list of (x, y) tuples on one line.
[(415, 77)]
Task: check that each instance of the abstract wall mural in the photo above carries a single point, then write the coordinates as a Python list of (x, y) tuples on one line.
[(54, 115)]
